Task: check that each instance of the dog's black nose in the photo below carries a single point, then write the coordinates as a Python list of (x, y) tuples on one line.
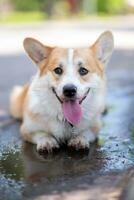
[(69, 91)]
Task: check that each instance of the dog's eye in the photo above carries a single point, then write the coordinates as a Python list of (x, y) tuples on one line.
[(58, 70), (83, 71)]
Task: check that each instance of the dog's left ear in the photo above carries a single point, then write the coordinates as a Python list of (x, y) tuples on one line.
[(37, 51), (103, 47)]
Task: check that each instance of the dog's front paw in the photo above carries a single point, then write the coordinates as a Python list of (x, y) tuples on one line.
[(82, 141), (47, 145), (78, 143)]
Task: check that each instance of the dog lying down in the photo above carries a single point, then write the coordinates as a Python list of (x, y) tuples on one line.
[(65, 99)]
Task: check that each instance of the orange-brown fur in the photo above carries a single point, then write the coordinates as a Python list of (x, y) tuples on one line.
[(17, 102)]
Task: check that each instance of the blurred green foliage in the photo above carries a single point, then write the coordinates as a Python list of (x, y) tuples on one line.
[(102, 6), (38, 10), (34, 5), (110, 6), (26, 5), (50, 8)]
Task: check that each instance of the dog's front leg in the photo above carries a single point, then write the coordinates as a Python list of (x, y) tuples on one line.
[(44, 141), (82, 141)]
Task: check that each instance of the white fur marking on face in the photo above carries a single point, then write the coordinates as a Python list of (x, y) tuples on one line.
[(70, 57)]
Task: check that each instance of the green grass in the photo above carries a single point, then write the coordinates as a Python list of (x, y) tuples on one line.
[(22, 17)]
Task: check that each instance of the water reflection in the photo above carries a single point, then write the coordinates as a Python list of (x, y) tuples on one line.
[(62, 163), (11, 165)]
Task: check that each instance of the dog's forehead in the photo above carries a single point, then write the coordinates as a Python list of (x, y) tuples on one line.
[(83, 54), (71, 54), (72, 57)]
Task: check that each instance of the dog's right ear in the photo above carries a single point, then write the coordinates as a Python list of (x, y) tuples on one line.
[(37, 51)]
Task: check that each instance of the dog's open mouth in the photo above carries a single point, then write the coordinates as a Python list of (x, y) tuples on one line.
[(72, 108)]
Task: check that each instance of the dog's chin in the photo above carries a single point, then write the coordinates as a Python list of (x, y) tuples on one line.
[(62, 98)]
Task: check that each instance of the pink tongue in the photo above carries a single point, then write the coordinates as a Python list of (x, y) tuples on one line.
[(72, 111)]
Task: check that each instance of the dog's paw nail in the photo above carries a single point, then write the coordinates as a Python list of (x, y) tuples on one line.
[(42, 151), (78, 144), (78, 148), (47, 148)]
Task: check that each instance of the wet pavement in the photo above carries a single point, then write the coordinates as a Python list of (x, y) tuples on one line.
[(101, 173)]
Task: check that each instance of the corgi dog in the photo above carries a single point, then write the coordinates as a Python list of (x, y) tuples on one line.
[(65, 99)]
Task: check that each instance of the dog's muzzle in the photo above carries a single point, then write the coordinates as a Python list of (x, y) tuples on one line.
[(81, 100)]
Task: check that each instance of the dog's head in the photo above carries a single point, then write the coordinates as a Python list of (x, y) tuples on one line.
[(71, 73)]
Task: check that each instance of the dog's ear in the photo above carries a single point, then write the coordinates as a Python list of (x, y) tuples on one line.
[(37, 51), (103, 47)]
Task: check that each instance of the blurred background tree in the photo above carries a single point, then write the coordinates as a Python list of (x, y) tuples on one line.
[(26, 5), (111, 6), (65, 8)]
